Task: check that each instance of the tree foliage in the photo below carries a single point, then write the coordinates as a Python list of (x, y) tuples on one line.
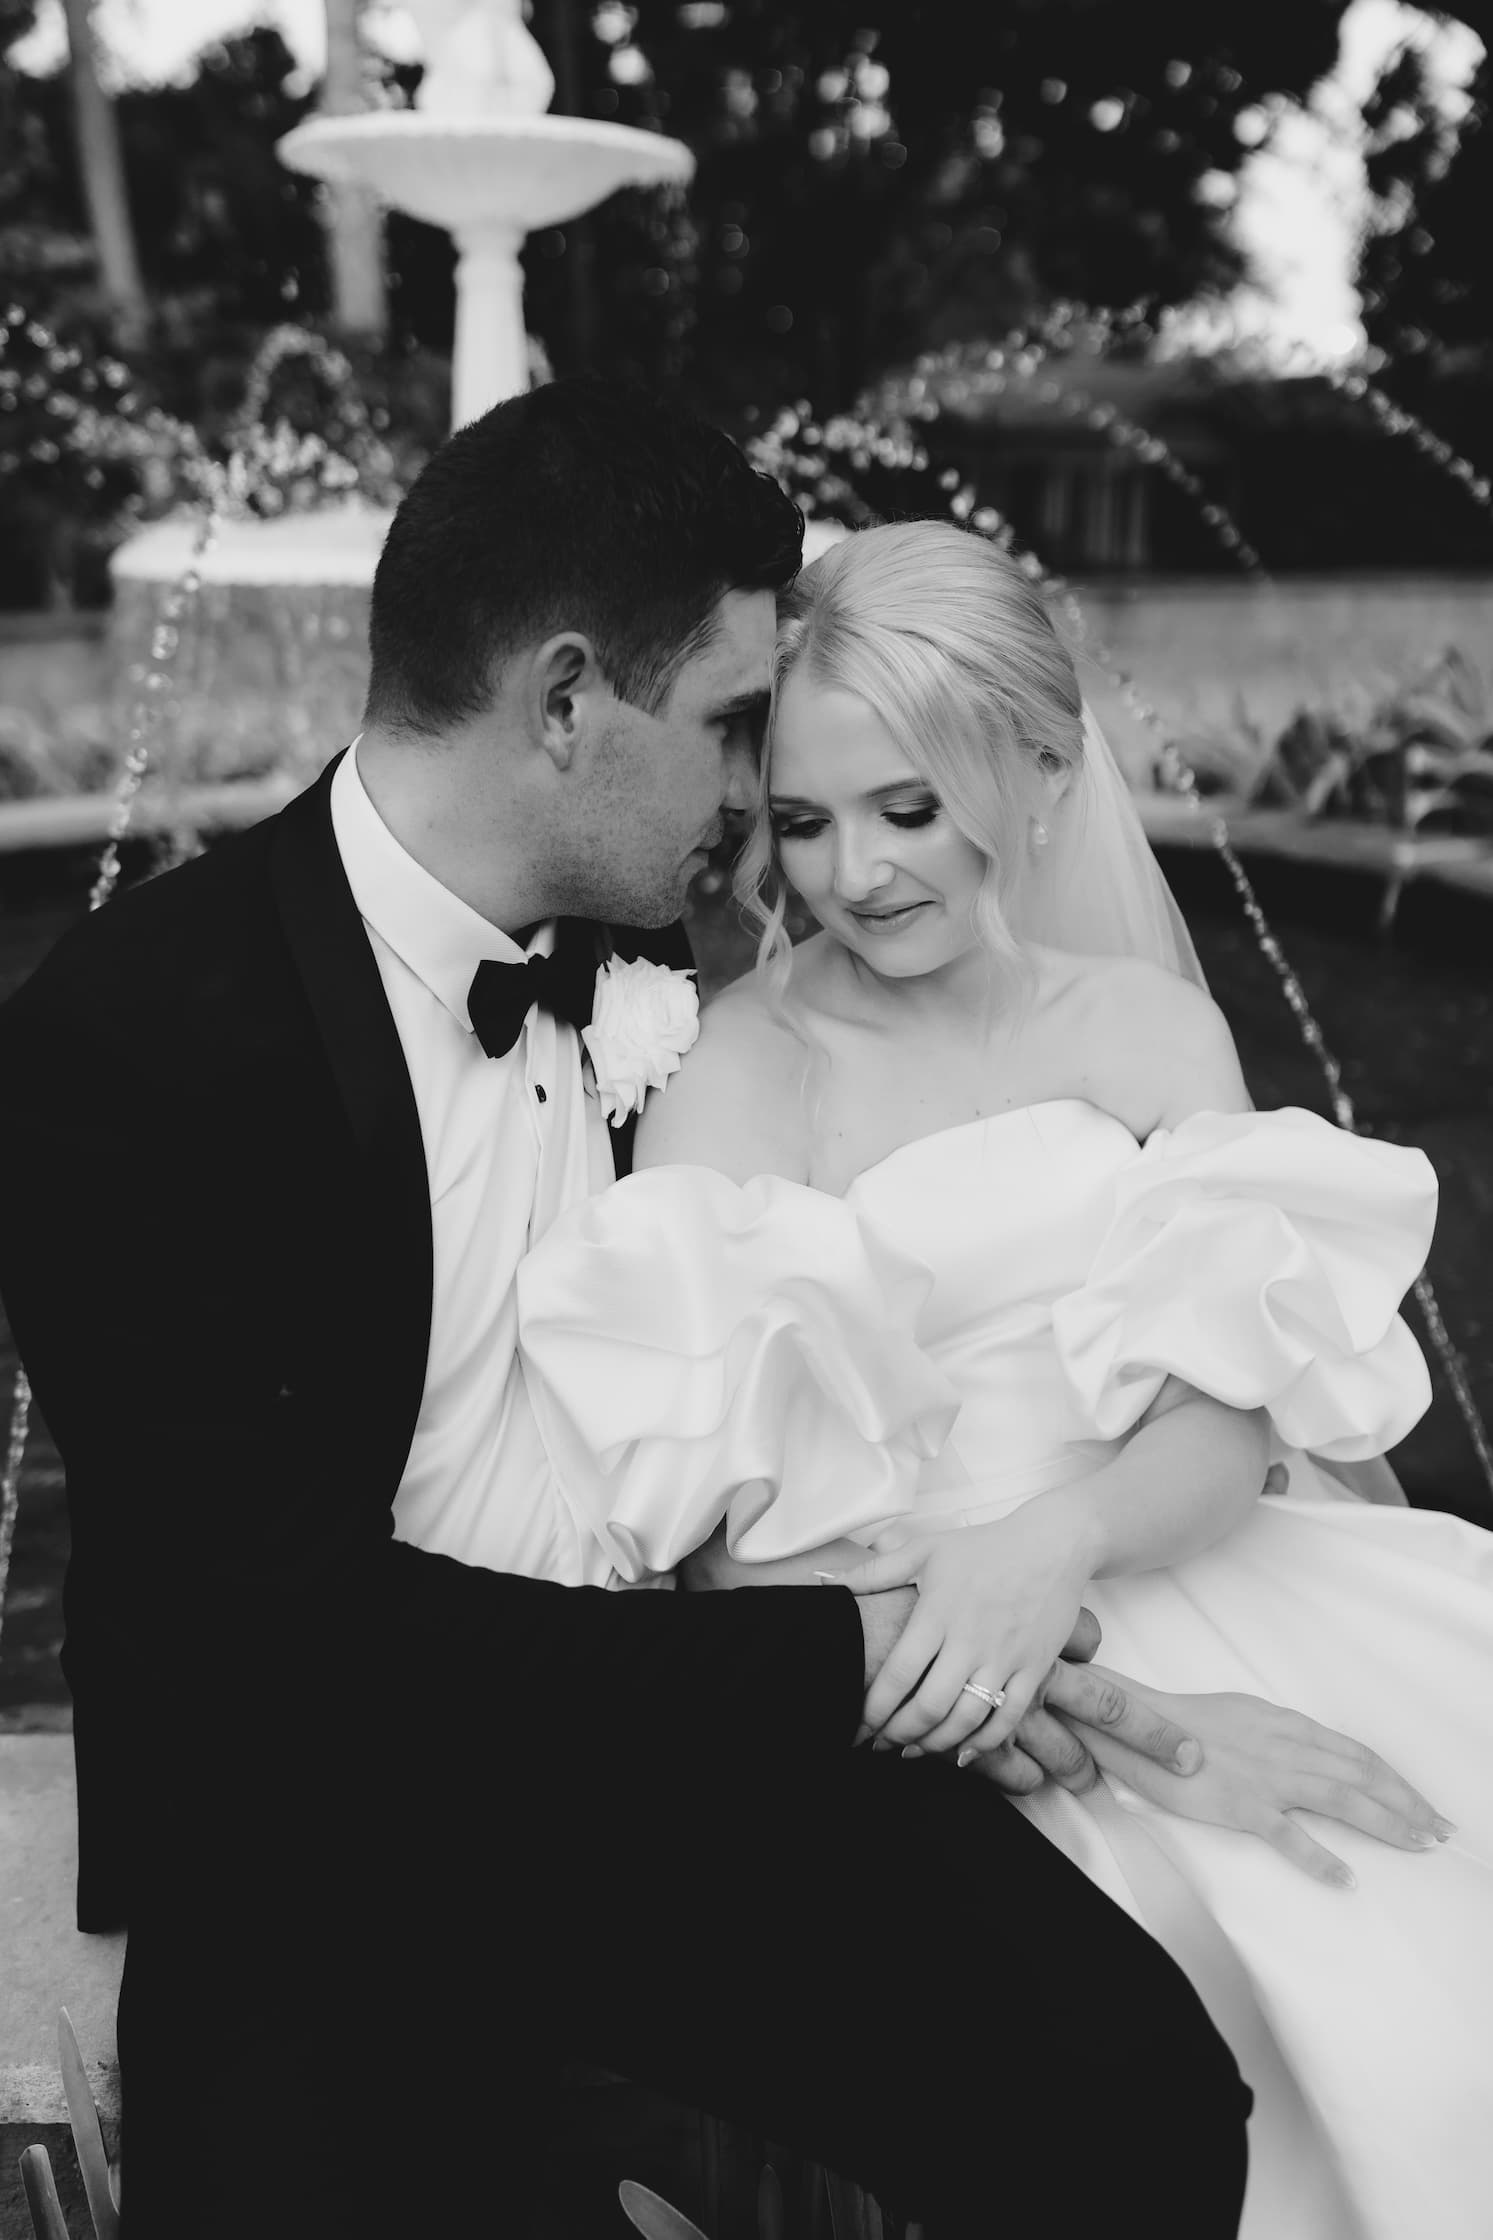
[(880, 174), (1426, 272), (874, 177)]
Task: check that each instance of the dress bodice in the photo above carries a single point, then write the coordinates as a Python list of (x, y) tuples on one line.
[(986, 1313), (1008, 1213)]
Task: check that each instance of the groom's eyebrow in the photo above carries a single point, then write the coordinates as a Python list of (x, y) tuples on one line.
[(752, 704)]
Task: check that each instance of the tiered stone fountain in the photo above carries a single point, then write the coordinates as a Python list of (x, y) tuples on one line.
[(283, 600)]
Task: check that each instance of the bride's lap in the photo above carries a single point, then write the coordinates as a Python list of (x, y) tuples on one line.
[(1377, 1622)]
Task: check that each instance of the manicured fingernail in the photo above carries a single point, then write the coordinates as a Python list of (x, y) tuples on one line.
[(912, 1750), (1423, 1839), (881, 1743), (965, 1757), (1345, 1878), (828, 1578), (1189, 1757), (1444, 1828)]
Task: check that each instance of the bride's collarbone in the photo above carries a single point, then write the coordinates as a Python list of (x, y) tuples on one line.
[(874, 1082), (868, 1102)]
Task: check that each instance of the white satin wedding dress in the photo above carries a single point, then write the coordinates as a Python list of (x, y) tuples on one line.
[(984, 1315)]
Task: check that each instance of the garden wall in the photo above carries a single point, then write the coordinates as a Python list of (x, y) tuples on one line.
[(276, 677), (1226, 665)]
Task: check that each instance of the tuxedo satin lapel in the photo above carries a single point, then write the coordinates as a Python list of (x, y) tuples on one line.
[(346, 994)]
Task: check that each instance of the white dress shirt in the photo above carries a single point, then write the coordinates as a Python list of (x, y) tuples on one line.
[(510, 1142)]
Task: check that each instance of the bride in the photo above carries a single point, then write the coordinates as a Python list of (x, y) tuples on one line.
[(956, 1256)]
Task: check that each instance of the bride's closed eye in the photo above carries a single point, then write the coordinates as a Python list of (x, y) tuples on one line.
[(809, 828)]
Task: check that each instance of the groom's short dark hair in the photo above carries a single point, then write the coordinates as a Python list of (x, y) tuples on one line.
[(585, 505)]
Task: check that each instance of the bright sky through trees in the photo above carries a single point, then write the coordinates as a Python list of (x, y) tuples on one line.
[(1300, 205)]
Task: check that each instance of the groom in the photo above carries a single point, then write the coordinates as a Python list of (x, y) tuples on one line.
[(394, 1826)]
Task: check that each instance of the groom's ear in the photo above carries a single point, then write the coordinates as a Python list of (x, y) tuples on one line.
[(564, 679)]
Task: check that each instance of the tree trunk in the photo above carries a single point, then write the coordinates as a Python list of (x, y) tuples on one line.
[(102, 168), (354, 218)]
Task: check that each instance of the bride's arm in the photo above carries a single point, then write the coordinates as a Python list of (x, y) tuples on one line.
[(736, 1104), (703, 1118), (1191, 1470), (1184, 1479)]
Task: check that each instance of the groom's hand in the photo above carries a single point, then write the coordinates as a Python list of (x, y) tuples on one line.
[(883, 1617), (1049, 1743), (1042, 1748)]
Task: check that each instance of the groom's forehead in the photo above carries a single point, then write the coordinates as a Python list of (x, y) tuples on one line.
[(736, 659)]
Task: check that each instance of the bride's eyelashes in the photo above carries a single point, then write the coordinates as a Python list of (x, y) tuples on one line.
[(809, 828)]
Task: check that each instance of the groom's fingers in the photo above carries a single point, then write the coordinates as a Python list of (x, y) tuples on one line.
[(1054, 1749), (1083, 1642), (1092, 1697), (1011, 1769)]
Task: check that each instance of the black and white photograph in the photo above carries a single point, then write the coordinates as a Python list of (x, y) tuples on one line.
[(746, 1120)]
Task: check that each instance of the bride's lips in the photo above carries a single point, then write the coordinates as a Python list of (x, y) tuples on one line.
[(888, 921)]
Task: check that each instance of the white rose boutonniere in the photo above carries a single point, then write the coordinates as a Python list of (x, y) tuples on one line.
[(644, 1017)]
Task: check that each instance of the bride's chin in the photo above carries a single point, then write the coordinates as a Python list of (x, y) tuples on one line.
[(898, 961)]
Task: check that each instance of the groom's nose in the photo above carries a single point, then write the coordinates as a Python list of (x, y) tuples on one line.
[(741, 780)]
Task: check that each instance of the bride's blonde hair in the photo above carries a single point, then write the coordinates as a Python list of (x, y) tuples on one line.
[(940, 632)]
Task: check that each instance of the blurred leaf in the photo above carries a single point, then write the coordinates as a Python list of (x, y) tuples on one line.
[(99, 2178), (1329, 780), (1424, 752), (47, 2220), (654, 2217)]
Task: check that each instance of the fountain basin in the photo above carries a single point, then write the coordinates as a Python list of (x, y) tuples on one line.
[(277, 654), (269, 677), (523, 172), (270, 673), (489, 180)]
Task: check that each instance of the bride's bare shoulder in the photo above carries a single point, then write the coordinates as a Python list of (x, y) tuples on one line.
[(736, 1103), (1156, 1047)]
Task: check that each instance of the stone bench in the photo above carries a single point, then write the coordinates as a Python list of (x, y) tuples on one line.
[(45, 1964)]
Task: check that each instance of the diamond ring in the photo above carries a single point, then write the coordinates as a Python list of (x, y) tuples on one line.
[(993, 1698)]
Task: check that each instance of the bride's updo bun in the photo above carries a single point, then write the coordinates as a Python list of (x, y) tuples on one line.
[(943, 635)]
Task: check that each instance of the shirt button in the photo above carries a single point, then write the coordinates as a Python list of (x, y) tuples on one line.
[(539, 1092)]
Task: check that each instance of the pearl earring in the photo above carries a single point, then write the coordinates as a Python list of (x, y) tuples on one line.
[(1040, 835)]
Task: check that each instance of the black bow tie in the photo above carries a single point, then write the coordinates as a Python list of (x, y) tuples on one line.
[(500, 997)]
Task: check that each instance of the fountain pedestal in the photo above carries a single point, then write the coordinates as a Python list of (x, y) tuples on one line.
[(492, 343), (479, 156), (281, 678)]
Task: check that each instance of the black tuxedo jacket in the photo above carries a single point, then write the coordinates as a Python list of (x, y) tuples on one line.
[(215, 1252)]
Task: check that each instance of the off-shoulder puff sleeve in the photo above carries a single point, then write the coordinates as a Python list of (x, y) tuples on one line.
[(1261, 1257), (697, 1349)]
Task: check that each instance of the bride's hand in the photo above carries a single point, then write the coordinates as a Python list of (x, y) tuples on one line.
[(996, 1605), (1262, 1764)]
